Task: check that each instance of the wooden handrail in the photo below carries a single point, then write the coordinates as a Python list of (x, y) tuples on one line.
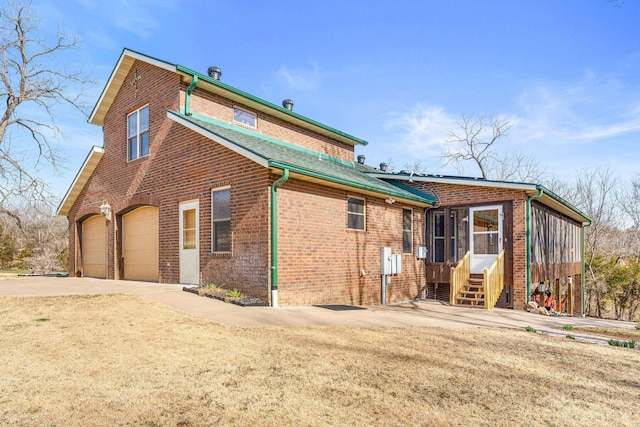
[(459, 277), (493, 282)]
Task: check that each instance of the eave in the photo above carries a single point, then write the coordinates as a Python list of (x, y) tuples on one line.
[(80, 180), (128, 58), (119, 73), (219, 88), (333, 182)]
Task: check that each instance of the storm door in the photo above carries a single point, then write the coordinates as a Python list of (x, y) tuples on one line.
[(189, 243), (485, 223)]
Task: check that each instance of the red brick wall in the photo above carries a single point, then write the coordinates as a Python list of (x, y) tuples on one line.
[(182, 165), (320, 260)]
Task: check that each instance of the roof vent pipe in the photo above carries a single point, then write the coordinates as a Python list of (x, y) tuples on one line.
[(214, 72), (383, 167), (288, 104), (361, 158)]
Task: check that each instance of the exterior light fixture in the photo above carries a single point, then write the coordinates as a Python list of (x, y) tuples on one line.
[(105, 210)]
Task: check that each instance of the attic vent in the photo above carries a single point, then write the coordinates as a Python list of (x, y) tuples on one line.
[(214, 72), (383, 167), (288, 104), (361, 158)]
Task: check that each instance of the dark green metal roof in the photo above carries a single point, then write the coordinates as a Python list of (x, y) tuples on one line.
[(281, 155)]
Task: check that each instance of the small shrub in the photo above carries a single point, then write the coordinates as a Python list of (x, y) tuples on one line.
[(42, 319), (235, 293), (568, 327), (625, 344), (211, 286), (638, 326), (530, 329), (571, 337)]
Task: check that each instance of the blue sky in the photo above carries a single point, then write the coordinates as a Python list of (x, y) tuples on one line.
[(397, 74)]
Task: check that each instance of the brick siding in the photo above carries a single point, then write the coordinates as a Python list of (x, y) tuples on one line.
[(320, 260)]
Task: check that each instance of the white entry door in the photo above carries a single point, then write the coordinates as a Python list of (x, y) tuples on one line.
[(189, 243), (486, 236)]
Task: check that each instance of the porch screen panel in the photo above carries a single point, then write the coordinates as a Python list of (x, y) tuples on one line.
[(555, 239)]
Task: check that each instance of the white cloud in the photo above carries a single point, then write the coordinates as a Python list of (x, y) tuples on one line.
[(422, 132), (591, 109), (300, 79)]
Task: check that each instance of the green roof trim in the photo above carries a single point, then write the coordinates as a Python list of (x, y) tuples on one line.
[(559, 199), (411, 189), (282, 155), (268, 104)]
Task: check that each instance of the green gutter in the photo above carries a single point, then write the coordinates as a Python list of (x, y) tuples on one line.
[(268, 104), (528, 239), (274, 237), (187, 98), (582, 279), (352, 184)]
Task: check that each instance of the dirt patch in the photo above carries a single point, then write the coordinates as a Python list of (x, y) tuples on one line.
[(223, 295)]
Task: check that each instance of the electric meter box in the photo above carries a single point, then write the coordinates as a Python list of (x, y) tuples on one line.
[(385, 261), (396, 264), (421, 252)]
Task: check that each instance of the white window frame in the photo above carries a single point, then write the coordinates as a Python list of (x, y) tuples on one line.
[(255, 118), (363, 214), (138, 134), (216, 220)]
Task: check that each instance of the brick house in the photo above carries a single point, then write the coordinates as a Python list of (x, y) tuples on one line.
[(198, 182), (539, 235)]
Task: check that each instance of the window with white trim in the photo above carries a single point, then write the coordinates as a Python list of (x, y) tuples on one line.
[(244, 117), (407, 231), (221, 220), (138, 133), (355, 214)]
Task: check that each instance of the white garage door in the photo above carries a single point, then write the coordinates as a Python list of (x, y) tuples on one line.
[(140, 244), (93, 247)]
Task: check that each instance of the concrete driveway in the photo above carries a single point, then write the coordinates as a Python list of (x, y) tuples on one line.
[(418, 313)]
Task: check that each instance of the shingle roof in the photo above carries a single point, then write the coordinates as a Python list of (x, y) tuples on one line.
[(279, 154), (547, 196)]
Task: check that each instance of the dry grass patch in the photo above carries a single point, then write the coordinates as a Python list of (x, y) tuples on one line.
[(119, 360)]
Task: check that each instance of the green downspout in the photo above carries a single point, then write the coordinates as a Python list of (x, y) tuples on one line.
[(584, 307), (187, 98), (274, 237), (528, 240)]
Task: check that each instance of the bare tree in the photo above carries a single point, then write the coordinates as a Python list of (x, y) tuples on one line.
[(41, 236), (629, 201), (32, 87), (474, 141), (594, 194)]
